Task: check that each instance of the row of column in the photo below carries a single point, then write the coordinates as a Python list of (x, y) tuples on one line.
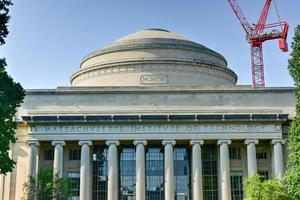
[(113, 183), (251, 162)]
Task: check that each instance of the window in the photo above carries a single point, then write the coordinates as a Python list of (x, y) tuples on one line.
[(209, 171), (48, 154), (235, 153), (154, 173), (236, 179), (127, 173), (99, 189), (261, 153), (264, 174), (75, 185), (182, 173), (74, 154)]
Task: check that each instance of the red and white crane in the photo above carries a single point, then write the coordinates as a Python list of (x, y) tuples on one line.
[(259, 33)]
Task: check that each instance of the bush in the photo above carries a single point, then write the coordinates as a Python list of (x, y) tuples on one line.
[(257, 188), (45, 186)]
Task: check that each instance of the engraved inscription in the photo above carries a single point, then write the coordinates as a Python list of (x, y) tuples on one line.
[(167, 128), (154, 79)]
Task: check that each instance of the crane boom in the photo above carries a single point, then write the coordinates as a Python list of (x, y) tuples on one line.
[(240, 15), (263, 18), (259, 33)]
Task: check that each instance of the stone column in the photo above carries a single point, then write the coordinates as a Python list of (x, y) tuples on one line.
[(251, 156), (1, 186), (278, 158), (113, 171), (32, 157), (7, 180), (58, 158), (169, 169), (140, 169), (225, 169), (85, 169), (197, 188)]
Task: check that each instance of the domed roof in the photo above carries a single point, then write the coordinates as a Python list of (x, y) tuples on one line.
[(153, 57), (151, 33)]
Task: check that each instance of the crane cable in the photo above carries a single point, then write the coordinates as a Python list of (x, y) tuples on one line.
[(277, 11)]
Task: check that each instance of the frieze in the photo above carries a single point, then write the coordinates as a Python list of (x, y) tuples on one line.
[(207, 68), (168, 128)]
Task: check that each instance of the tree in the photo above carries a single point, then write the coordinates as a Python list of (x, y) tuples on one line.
[(11, 96), (257, 188), (4, 18), (292, 176), (45, 186)]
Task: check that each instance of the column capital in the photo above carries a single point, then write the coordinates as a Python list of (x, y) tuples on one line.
[(114, 142), (137, 142), (251, 141), (192, 142), (172, 142), (58, 142), (275, 141), (33, 142), (87, 142), (220, 142)]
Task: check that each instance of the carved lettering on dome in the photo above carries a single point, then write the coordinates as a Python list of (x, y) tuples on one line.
[(154, 79)]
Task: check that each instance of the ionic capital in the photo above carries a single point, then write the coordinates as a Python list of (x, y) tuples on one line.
[(172, 142), (142, 142), (85, 142), (193, 142), (112, 142), (220, 142), (251, 141), (33, 143), (58, 142), (275, 141)]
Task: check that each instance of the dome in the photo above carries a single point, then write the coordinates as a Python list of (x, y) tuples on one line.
[(153, 57)]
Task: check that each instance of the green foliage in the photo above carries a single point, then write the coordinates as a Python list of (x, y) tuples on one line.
[(4, 18), (11, 96), (45, 186), (257, 188), (294, 61), (292, 176)]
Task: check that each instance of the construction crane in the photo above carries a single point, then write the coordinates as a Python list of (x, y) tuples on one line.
[(259, 33)]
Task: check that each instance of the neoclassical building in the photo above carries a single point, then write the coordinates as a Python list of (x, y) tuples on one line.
[(152, 116)]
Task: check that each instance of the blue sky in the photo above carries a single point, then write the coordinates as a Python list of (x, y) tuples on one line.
[(48, 39)]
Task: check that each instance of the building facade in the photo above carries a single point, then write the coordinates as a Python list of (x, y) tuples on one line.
[(152, 116)]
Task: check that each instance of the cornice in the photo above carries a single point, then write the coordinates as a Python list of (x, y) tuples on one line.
[(159, 89)]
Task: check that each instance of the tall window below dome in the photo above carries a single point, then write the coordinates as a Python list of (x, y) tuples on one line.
[(127, 173), (154, 173), (236, 181), (209, 171), (182, 173), (99, 172)]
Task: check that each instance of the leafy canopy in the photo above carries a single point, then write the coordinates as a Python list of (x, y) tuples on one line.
[(292, 176), (11, 96), (4, 18)]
